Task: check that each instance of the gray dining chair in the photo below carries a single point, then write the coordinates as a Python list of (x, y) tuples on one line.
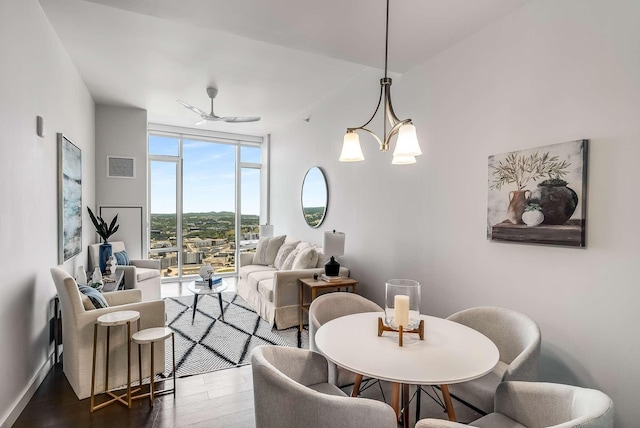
[(518, 339), (540, 404), (291, 389), (334, 305)]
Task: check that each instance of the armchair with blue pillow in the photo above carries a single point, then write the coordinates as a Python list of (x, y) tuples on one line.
[(139, 274)]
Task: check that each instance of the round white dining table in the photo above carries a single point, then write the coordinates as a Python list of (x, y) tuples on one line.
[(450, 352)]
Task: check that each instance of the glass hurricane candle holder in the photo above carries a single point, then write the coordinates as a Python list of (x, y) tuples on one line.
[(402, 304)]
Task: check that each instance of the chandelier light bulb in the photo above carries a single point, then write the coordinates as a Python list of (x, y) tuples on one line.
[(351, 150), (407, 144)]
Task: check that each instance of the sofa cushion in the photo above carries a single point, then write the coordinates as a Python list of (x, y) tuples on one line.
[(288, 263), (265, 288), (307, 258), (96, 298), (254, 278), (122, 258), (283, 252), (247, 270), (145, 273), (267, 250)]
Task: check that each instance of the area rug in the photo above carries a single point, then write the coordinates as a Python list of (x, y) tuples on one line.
[(213, 344)]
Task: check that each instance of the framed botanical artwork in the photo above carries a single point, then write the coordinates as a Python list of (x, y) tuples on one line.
[(69, 199), (539, 195)]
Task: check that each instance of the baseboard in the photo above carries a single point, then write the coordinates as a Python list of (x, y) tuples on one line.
[(11, 416)]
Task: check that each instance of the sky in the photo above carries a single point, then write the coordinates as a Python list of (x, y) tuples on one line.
[(209, 177)]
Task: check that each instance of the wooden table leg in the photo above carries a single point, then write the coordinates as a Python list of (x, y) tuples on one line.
[(395, 398), (356, 385), (448, 403)]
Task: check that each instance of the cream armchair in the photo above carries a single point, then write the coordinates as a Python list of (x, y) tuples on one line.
[(142, 274), (540, 404), (77, 335), (291, 389)]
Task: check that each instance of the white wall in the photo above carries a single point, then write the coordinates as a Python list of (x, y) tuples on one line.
[(122, 132), (553, 71), (36, 78)]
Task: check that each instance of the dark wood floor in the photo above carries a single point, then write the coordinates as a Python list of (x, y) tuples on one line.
[(219, 399), (222, 398)]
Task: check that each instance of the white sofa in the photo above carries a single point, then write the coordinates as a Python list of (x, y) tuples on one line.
[(273, 292), (140, 274)]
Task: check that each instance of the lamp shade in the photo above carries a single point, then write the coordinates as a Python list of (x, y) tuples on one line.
[(403, 160), (407, 144), (266, 230), (333, 243), (351, 150)]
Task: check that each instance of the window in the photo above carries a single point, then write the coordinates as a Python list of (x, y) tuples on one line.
[(205, 198)]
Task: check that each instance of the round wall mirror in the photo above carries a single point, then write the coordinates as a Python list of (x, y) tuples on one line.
[(315, 196)]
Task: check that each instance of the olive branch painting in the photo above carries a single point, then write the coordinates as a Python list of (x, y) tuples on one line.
[(539, 195)]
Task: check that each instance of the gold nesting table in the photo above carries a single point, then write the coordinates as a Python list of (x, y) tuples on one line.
[(113, 319), (152, 336)]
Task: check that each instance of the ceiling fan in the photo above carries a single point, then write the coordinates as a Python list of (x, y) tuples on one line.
[(211, 117)]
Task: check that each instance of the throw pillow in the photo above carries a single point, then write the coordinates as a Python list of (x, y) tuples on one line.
[(96, 298), (267, 250), (282, 255), (288, 262), (122, 258), (307, 258)]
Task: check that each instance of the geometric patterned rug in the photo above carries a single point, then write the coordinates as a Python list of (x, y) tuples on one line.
[(212, 344)]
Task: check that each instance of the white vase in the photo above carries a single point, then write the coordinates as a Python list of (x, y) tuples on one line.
[(81, 275), (532, 218)]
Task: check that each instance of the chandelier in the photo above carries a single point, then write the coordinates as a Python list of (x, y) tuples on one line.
[(407, 147)]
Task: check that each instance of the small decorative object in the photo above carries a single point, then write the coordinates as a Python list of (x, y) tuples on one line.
[(553, 178), (110, 265), (315, 276), (532, 215), (206, 272), (81, 275), (105, 231), (96, 279), (402, 309)]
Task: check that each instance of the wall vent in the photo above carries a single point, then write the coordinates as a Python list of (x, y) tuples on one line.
[(121, 167)]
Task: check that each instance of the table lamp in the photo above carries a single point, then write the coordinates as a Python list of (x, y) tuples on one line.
[(333, 245), (265, 230)]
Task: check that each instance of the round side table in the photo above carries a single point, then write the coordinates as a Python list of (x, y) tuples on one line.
[(151, 336), (118, 318)]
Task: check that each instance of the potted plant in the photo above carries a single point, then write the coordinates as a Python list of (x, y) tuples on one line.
[(105, 230)]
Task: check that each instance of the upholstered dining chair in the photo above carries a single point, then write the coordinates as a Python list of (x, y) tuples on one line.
[(540, 404), (142, 274), (77, 335), (330, 306), (291, 389), (518, 339)]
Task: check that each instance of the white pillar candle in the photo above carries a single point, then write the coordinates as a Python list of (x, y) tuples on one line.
[(401, 310)]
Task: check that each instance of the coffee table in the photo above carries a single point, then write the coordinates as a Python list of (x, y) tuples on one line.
[(198, 288)]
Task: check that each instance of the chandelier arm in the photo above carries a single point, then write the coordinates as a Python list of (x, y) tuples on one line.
[(394, 131), (374, 113), (371, 133)]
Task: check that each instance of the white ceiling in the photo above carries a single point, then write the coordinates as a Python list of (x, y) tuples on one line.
[(269, 58)]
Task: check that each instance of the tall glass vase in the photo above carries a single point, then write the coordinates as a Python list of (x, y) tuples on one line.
[(104, 253), (402, 304)]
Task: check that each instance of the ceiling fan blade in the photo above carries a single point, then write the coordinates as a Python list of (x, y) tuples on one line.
[(193, 109), (201, 121), (236, 119)]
